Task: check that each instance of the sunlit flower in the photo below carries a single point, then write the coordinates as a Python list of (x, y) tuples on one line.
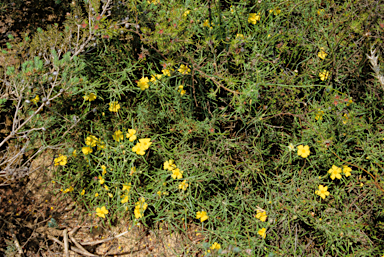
[(140, 207), (276, 11), (97, 194), (335, 172), (303, 151), (261, 215), (104, 169), (91, 140), (184, 69), (118, 135), (181, 90), (177, 173), (185, 14), (36, 99), (114, 106), (215, 246), (61, 160), (169, 165), (324, 75), (127, 187), (239, 36), (155, 77), (347, 170), (82, 192), (253, 18), (125, 199), (101, 180), (166, 72), (206, 23), (183, 185), (100, 145), (320, 11), (143, 83), (101, 212), (145, 142), (322, 54), (138, 149), (202, 216), (131, 135), (106, 187), (89, 97), (110, 195), (74, 154), (322, 192), (262, 232)]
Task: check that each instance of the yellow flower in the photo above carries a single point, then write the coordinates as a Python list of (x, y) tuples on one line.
[(145, 142), (166, 72), (159, 193), (131, 135), (70, 189), (240, 36), (215, 246), (100, 145), (133, 170), (82, 192), (206, 23), (114, 106), (183, 185), (74, 153), (89, 97), (324, 75), (118, 135), (143, 83), (276, 11), (104, 169), (101, 212), (303, 151), (97, 194), (261, 215), (176, 173), (153, 1), (139, 149), (125, 199), (232, 9), (202, 216), (140, 207), (322, 192), (181, 90), (91, 140), (101, 180), (61, 160), (169, 165), (347, 170), (155, 77), (184, 69), (322, 54), (262, 232), (106, 187), (127, 187), (253, 18), (110, 195), (36, 99), (335, 172), (320, 11), (186, 13)]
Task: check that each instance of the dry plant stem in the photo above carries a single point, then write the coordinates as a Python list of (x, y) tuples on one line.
[(16, 242), (66, 244), (70, 234), (104, 240), (373, 177), (73, 249)]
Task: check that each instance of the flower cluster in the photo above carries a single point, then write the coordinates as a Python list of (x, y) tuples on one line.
[(184, 69), (92, 141), (36, 99), (322, 54), (140, 208), (69, 189), (183, 185), (324, 75), (114, 106), (181, 90), (125, 197), (89, 97), (253, 18), (141, 146), (336, 171), (176, 172), (143, 83), (61, 160)]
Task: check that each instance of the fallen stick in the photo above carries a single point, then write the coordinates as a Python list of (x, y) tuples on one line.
[(66, 245), (73, 249), (104, 240)]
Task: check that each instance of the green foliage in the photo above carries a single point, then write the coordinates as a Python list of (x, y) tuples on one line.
[(229, 92)]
